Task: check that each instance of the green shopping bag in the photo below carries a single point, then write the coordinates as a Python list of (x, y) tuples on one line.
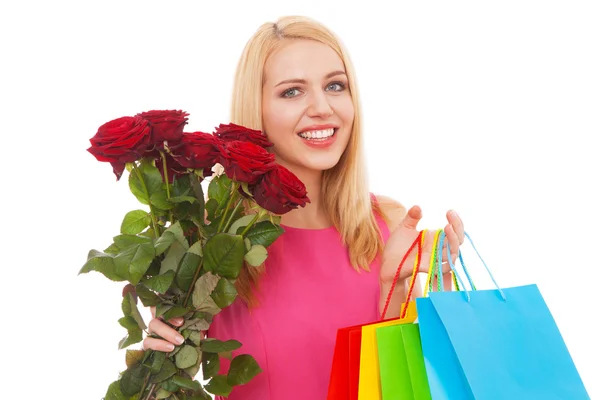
[(401, 357)]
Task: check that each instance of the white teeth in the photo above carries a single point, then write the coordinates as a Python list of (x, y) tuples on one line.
[(322, 134)]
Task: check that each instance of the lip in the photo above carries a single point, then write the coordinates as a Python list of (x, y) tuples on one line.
[(320, 144), (318, 127)]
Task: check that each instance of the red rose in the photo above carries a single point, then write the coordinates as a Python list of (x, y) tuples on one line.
[(166, 125), (120, 141), (280, 191), (232, 132), (197, 150), (245, 161)]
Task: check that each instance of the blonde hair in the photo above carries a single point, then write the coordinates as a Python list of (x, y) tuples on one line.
[(345, 194)]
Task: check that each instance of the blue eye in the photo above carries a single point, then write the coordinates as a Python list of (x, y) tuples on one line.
[(290, 92), (338, 86)]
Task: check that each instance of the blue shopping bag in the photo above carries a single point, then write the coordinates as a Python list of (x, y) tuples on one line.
[(505, 342)]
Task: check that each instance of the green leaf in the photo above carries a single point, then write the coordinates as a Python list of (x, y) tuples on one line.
[(162, 394), (224, 255), (160, 201), (170, 386), (158, 359), (211, 209), (133, 337), (224, 293), (196, 248), (168, 370), (186, 383), (114, 392), (133, 357), (195, 337), (186, 357), (112, 249), (210, 365), (147, 296), (174, 312), (103, 263), (218, 385), (124, 241), (130, 309), (162, 308), (242, 369), (128, 323), (134, 261), (163, 242), (203, 288), (187, 269), (181, 199), (241, 222), (196, 324), (160, 283), (173, 258), (152, 179), (133, 380), (219, 189), (217, 346), (256, 256), (135, 222), (193, 370), (264, 233)]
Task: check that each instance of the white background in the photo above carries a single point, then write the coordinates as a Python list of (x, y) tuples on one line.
[(490, 108)]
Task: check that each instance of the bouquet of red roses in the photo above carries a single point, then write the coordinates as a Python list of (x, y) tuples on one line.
[(184, 253)]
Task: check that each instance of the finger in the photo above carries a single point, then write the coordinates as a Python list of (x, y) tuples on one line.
[(457, 225), (453, 242), (153, 311), (412, 217), (150, 343), (163, 330), (177, 321)]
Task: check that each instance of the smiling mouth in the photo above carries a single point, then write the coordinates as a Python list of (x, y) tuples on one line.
[(319, 135)]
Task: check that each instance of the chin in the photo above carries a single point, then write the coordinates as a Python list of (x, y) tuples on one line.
[(322, 163)]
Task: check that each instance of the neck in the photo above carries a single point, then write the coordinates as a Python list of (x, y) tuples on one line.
[(312, 216)]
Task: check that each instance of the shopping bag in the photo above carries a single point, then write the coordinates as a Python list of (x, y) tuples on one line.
[(401, 363), (369, 379), (505, 342), (345, 370)]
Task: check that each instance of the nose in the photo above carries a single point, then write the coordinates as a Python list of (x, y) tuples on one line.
[(319, 105)]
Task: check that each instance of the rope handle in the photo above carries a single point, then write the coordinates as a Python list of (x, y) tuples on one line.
[(417, 242)]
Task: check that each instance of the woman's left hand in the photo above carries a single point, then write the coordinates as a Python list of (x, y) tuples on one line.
[(405, 234)]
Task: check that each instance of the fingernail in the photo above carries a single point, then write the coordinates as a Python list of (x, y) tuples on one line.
[(179, 339), (454, 213), (170, 347)]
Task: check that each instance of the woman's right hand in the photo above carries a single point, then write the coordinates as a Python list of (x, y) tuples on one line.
[(169, 337)]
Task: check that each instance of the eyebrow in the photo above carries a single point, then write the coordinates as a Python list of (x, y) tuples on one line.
[(329, 75)]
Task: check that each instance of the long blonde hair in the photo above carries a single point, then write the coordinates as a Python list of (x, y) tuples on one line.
[(345, 194)]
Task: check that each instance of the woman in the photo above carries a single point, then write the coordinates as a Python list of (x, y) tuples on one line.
[(334, 265)]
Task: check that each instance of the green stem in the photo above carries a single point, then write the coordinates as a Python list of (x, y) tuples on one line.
[(151, 392), (167, 184), (146, 380), (239, 203), (234, 187), (256, 217), (152, 215), (189, 292)]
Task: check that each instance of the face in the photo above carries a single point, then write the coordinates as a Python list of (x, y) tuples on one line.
[(307, 106)]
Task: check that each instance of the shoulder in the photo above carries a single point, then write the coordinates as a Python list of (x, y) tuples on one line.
[(391, 210)]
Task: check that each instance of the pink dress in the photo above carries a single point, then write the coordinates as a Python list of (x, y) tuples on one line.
[(309, 290)]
